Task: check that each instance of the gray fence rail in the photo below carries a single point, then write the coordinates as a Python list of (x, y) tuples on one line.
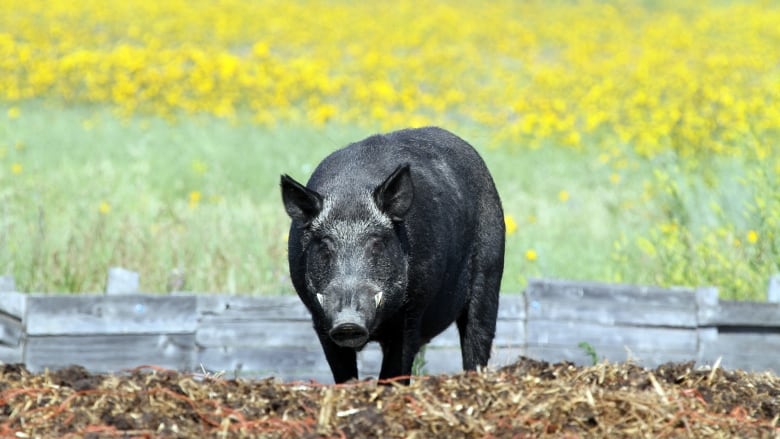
[(272, 336)]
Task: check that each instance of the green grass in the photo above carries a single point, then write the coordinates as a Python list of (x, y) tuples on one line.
[(53, 236)]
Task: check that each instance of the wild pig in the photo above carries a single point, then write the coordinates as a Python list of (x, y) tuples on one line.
[(394, 238)]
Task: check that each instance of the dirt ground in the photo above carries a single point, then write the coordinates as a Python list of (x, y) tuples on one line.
[(525, 399)]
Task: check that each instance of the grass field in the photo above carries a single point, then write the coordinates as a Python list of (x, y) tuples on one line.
[(202, 195), (631, 142)]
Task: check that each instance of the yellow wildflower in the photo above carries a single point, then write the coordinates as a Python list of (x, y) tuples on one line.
[(194, 198), (511, 225), (199, 167), (163, 67)]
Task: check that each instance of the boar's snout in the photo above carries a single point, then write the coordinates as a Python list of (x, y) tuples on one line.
[(349, 335), (351, 305), (349, 330)]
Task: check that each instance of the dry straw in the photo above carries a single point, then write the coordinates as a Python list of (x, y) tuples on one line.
[(526, 399)]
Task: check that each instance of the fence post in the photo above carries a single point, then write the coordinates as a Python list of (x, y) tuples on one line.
[(706, 305), (773, 292), (7, 284), (122, 281), (706, 331)]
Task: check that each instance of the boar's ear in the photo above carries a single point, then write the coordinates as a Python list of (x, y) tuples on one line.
[(394, 196), (301, 203)]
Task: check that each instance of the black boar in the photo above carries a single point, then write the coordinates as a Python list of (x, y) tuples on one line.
[(393, 239)]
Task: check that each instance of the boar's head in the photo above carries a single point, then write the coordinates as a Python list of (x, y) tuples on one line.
[(352, 253)]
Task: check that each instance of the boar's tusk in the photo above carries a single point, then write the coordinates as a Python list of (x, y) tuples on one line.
[(378, 298), (321, 299)]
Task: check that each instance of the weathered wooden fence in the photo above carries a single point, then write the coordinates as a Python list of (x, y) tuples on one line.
[(272, 336)]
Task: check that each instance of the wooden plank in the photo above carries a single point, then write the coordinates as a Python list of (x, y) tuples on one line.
[(613, 313), (569, 333), (301, 363), (108, 353), (628, 294), (443, 360), (707, 304), (370, 360), (751, 352), (744, 343), (511, 306), (611, 304), (448, 338), (304, 365), (510, 330), (510, 333), (319, 376), (217, 306), (269, 333), (243, 327), (290, 377), (737, 313), (11, 330), (280, 333), (577, 355), (746, 362), (98, 314), (449, 360), (13, 304), (281, 362), (10, 354), (504, 356), (438, 359)]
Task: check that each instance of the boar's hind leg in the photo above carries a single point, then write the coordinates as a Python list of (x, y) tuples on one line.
[(477, 323), (342, 361)]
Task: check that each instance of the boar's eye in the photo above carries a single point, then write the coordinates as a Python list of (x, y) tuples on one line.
[(376, 246), (323, 251)]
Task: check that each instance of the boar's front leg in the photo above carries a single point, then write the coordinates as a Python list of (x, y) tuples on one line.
[(342, 361), (398, 353), (392, 354)]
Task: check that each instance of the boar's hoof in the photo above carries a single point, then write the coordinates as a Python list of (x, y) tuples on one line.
[(349, 335)]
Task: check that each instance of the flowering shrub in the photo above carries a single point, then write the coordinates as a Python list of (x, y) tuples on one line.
[(684, 75)]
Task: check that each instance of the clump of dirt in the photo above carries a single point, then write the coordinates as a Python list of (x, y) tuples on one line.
[(525, 399)]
